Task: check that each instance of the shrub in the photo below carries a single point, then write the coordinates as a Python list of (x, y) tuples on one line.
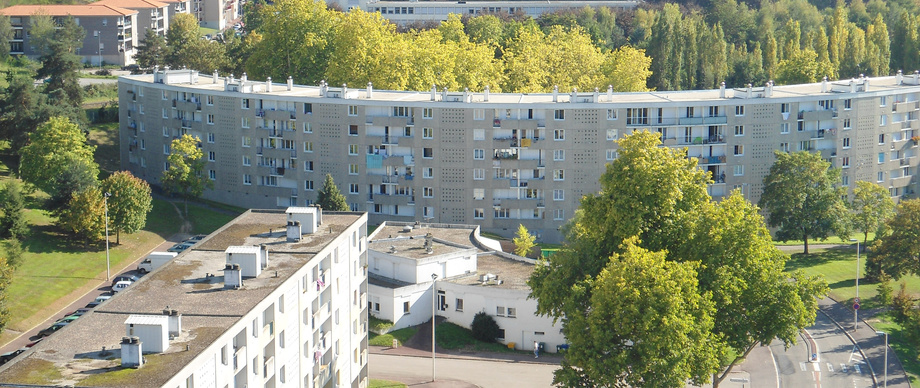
[(484, 327), (885, 291), (902, 305)]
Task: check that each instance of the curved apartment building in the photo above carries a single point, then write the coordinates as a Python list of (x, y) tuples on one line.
[(500, 159)]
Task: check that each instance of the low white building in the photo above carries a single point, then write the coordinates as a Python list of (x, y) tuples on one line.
[(404, 258)]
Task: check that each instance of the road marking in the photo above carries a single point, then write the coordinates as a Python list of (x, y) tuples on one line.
[(843, 368), (830, 367), (802, 365), (817, 367), (857, 368)]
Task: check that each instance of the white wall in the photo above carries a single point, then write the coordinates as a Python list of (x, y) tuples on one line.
[(391, 304), (523, 329)]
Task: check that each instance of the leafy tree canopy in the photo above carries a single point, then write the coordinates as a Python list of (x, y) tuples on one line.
[(330, 198), (129, 203), (898, 253), (54, 147), (185, 174)]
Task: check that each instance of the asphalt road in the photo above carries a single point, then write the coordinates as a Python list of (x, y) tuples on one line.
[(416, 371)]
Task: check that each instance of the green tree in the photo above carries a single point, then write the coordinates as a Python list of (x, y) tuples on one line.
[(803, 67), (186, 167), (801, 198), (872, 206), (484, 327), (84, 216), (41, 31), (129, 203), (151, 52), (657, 309), (54, 147), (898, 253), (60, 64), (12, 221), (76, 174), (330, 198), (878, 47), (523, 241), (6, 277), (485, 29), (295, 40), (13, 250), (183, 39), (627, 69), (6, 33)]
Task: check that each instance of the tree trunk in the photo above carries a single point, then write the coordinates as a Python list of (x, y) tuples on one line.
[(805, 239), (117, 236), (865, 239), (186, 207)]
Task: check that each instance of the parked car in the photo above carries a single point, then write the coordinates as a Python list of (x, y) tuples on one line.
[(80, 311), (99, 300), (52, 329), (69, 318), (6, 357), (31, 344), (121, 285), (196, 238), (130, 278), (180, 247)]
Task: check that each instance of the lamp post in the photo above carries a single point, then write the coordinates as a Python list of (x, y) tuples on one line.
[(886, 355), (105, 200), (856, 302), (99, 47), (434, 290)]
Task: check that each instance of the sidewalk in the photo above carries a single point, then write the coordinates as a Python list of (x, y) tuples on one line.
[(405, 351), (871, 344)]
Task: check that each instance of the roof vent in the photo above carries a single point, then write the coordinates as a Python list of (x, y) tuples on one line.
[(429, 246), (407, 228), (151, 329), (175, 322), (250, 259), (233, 276), (131, 356), (393, 249), (293, 230)]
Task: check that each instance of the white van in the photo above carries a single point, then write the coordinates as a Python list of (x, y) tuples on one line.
[(120, 285)]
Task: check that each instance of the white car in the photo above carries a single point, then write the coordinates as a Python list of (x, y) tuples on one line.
[(121, 285)]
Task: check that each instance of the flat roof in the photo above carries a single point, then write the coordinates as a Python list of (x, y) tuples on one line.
[(412, 246), (132, 3), (192, 285), (780, 93), (512, 272), (67, 10)]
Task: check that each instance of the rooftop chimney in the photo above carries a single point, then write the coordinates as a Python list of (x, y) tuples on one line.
[(243, 78), (268, 84), (370, 90), (485, 94), (574, 96), (290, 83), (609, 93), (434, 92), (824, 85), (293, 230), (233, 278), (899, 77), (175, 322), (722, 90), (555, 93), (131, 356), (263, 253), (214, 77)]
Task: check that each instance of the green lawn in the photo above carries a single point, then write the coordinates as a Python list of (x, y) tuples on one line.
[(401, 336), (375, 383), (378, 325), (829, 240), (838, 266), (451, 336)]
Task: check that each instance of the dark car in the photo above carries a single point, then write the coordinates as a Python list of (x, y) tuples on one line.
[(6, 357), (80, 311), (69, 318), (196, 238), (180, 247), (51, 329), (130, 278)]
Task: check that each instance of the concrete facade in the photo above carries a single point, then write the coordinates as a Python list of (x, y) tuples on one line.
[(111, 32), (302, 322), (499, 160)]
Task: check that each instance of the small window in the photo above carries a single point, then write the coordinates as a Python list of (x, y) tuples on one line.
[(428, 172), (739, 130), (846, 124), (479, 114), (738, 169), (478, 213), (352, 149), (611, 154), (212, 156), (784, 128), (881, 157), (308, 146), (558, 195), (739, 150), (500, 311), (211, 137), (352, 130), (307, 127), (428, 153), (848, 104), (558, 155), (845, 162), (739, 110), (558, 134), (881, 176), (210, 119), (428, 192), (245, 103), (244, 122), (611, 114), (458, 304), (784, 147), (558, 175), (308, 185), (611, 134), (559, 114), (405, 307), (846, 142), (881, 139), (353, 188), (427, 133), (212, 175), (512, 312), (784, 108), (479, 154), (427, 113), (558, 214), (352, 169), (352, 110), (247, 179)]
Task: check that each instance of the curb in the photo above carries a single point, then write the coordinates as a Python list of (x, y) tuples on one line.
[(847, 333), (456, 357)]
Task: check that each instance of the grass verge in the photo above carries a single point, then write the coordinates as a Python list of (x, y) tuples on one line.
[(829, 240), (453, 337), (378, 325), (401, 336), (375, 383)]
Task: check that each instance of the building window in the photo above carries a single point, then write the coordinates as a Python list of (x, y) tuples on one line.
[(210, 119), (612, 134), (165, 149), (739, 150), (352, 110), (611, 154), (308, 185), (881, 176), (846, 142), (427, 133), (739, 130), (245, 103), (308, 108), (738, 169), (845, 180), (881, 139), (247, 161), (784, 128), (558, 155), (212, 156), (405, 307), (784, 147), (212, 175), (558, 134), (846, 124), (502, 213), (400, 111), (308, 146), (458, 304), (211, 137), (352, 149), (307, 127), (353, 188), (247, 179), (558, 195), (479, 154), (881, 157), (143, 144), (558, 175), (739, 110), (479, 134), (352, 130), (478, 213), (558, 214), (244, 122), (883, 101), (247, 141), (352, 169), (500, 311), (479, 194), (559, 114), (427, 113), (165, 115), (848, 104), (427, 192), (636, 116), (611, 114), (804, 145), (784, 108), (428, 172), (845, 162), (479, 114), (512, 312), (713, 111), (427, 153), (883, 120), (479, 174), (308, 165)]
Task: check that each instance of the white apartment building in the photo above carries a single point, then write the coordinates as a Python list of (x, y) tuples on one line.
[(404, 12), (501, 159), (275, 298), (411, 263)]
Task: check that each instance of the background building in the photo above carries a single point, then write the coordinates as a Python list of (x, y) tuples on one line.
[(111, 32), (262, 302), (404, 12), (469, 280), (499, 160)]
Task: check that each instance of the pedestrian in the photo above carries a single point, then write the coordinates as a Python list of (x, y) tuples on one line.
[(536, 349)]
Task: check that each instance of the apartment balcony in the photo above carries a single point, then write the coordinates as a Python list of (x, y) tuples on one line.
[(518, 183), (124, 37), (406, 141), (391, 199), (817, 135), (186, 124), (268, 368), (816, 115), (522, 203), (187, 105), (517, 124), (275, 133), (905, 106), (274, 170), (709, 160), (906, 161), (239, 358), (390, 140), (702, 140), (389, 121), (714, 120), (271, 114), (530, 164)]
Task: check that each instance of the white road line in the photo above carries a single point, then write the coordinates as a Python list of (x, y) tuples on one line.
[(817, 367), (857, 368), (775, 368), (802, 365), (830, 367), (843, 368)]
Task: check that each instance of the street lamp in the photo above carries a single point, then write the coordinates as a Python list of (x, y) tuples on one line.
[(434, 279), (105, 200), (99, 47), (886, 355), (856, 301)]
